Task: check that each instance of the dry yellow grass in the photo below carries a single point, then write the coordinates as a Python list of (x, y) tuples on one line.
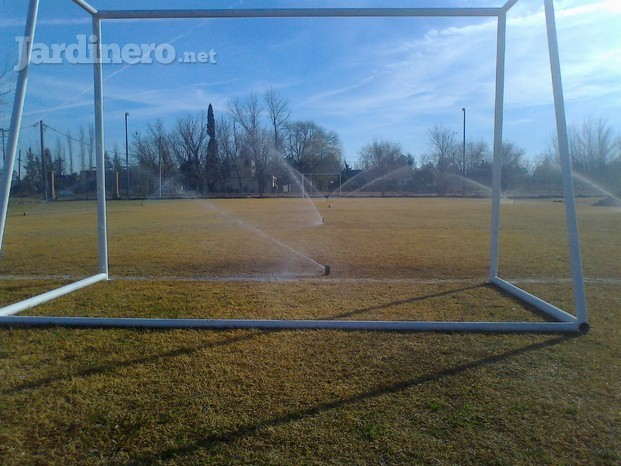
[(197, 397)]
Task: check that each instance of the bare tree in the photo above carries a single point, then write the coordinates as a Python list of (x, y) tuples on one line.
[(595, 145), (476, 153), (592, 146), (189, 145), (82, 149), (310, 148), (59, 157), (144, 150), (6, 85), (384, 160), (70, 151), (91, 145), (152, 148), (279, 113), (383, 155), (263, 153), (257, 143), (513, 170), (443, 146), (247, 112), (117, 163), (230, 148)]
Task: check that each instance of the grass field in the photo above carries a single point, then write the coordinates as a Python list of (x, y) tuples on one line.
[(296, 397)]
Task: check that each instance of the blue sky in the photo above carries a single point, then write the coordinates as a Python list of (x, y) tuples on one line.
[(364, 78)]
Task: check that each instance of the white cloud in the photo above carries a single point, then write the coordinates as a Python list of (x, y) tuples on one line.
[(457, 63)]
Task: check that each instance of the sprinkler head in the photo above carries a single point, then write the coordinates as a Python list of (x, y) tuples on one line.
[(326, 270)]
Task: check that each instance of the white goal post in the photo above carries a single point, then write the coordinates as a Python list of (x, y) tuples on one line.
[(560, 321), (312, 177)]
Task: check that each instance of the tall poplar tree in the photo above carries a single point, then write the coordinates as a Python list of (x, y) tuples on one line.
[(211, 161)]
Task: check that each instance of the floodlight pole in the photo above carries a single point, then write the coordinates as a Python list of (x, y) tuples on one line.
[(160, 162), (100, 157), (16, 116), (463, 151), (127, 153), (3, 148), (43, 170), (566, 170)]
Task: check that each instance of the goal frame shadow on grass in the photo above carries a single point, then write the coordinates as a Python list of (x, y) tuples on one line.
[(560, 320)]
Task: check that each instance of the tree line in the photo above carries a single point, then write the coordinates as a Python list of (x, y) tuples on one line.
[(255, 147)]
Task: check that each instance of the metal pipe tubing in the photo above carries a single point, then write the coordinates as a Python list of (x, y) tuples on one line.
[(566, 170), (538, 303), (298, 13), (42, 298), (222, 324), (16, 115), (85, 6), (102, 221), (510, 4), (497, 163)]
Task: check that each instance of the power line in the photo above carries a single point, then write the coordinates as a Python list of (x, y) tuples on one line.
[(66, 135), (90, 146)]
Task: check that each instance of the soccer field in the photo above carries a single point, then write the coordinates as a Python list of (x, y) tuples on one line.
[(123, 396)]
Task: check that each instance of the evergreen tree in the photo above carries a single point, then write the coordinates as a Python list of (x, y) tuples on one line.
[(211, 161)]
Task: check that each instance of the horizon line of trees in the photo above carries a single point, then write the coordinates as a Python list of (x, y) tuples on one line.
[(255, 147)]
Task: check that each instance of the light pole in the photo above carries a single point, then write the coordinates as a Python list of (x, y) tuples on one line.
[(3, 149), (160, 162), (463, 152), (127, 153), (43, 171)]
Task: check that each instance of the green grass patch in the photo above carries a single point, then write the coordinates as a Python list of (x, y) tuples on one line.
[(294, 397)]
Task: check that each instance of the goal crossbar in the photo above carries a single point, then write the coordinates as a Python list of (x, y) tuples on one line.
[(561, 321)]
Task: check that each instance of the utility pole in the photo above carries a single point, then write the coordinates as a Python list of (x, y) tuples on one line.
[(43, 176), (160, 163), (3, 148), (464, 144), (19, 177), (127, 153)]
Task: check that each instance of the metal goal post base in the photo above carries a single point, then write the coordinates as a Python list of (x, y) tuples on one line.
[(248, 324)]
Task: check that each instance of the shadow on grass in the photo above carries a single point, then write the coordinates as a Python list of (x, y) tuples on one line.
[(211, 441), (542, 315), (378, 307), (36, 285), (112, 367)]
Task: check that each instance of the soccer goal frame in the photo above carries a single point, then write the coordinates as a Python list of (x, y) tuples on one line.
[(559, 321), (310, 176)]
